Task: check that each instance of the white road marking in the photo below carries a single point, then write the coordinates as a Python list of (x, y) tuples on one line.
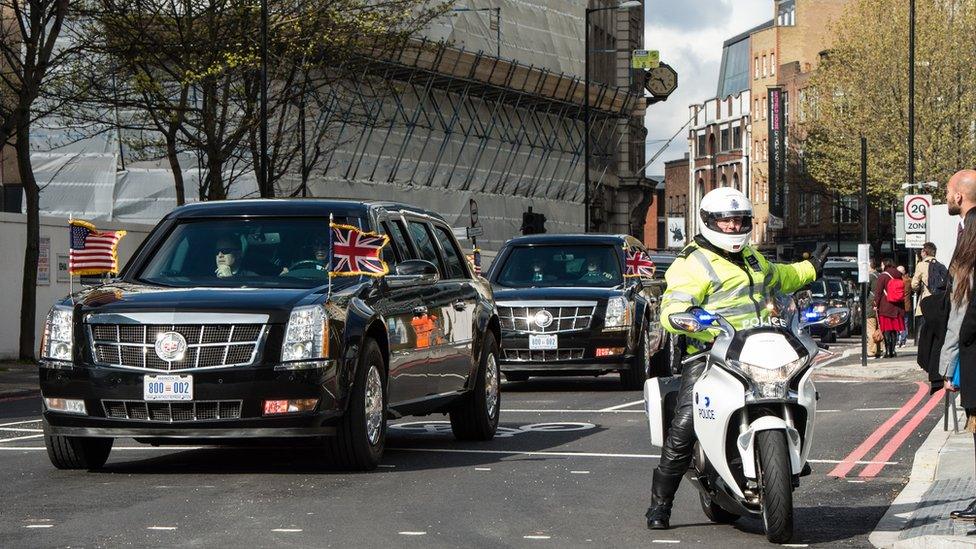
[(619, 406), (39, 526), (21, 429), (118, 448), (537, 537), (796, 545), (19, 422), (286, 530), (579, 472), (856, 481), (666, 541), (19, 438), (161, 528), (407, 533), (521, 453), (567, 411), (875, 409), (828, 411)]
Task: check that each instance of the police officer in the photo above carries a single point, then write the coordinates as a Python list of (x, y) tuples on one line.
[(721, 273)]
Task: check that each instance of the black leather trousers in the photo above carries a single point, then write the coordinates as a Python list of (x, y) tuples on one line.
[(680, 441)]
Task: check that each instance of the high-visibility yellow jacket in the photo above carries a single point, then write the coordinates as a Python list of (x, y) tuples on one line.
[(733, 285)]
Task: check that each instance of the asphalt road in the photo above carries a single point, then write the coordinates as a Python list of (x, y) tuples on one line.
[(571, 467)]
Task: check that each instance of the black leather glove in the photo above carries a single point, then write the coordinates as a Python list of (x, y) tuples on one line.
[(818, 258)]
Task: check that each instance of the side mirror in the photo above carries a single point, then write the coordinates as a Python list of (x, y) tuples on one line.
[(411, 272), (831, 318), (686, 322)]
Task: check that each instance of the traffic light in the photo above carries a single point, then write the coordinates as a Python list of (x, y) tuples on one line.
[(533, 223)]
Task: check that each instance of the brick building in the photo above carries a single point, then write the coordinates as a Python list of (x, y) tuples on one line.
[(676, 191)]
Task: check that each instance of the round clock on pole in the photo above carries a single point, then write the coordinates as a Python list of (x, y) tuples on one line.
[(661, 81)]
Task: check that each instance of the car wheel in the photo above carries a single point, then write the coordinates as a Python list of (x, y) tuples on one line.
[(516, 376), (633, 377), (475, 416), (361, 433), (77, 452)]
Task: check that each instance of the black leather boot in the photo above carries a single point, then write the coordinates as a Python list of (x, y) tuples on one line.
[(663, 488), (969, 513)]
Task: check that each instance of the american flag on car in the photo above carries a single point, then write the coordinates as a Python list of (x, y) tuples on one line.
[(638, 264), (355, 252), (92, 251)]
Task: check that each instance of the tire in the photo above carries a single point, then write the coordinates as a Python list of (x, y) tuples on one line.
[(633, 377), (516, 376), (475, 416), (715, 513), (775, 485), (77, 452), (361, 433)]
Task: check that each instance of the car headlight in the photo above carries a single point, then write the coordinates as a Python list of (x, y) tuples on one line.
[(618, 313), (769, 382), (307, 334), (58, 335)]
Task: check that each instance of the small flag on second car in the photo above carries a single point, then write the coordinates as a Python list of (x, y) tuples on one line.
[(355, 252), (638, 264), (93, 252)]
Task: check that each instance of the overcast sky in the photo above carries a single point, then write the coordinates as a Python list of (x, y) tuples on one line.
[(689, 34)]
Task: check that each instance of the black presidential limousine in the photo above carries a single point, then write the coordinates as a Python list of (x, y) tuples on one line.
[(223, 325), (566, 308)]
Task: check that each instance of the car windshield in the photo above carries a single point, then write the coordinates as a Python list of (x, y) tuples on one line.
[(827, 288), (540, 266), (254, 253)]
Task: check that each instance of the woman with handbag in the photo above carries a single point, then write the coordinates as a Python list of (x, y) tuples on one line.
[(889, 302)]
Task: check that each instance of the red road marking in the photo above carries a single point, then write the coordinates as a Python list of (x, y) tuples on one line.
[(895, 443), (848, 463)]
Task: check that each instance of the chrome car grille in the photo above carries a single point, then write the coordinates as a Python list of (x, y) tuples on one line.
[(566, 317), (171, 412), (208, 345), (548, 355)]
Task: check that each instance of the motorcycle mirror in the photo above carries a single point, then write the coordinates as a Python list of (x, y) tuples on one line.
[(686, 322), (836, 317)]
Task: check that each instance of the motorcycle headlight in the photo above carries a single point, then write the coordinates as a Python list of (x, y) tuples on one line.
[(769, 382), (58, 335), (307, 334), (618, 314)]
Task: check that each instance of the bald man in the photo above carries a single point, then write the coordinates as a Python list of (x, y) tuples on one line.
[(961, 192)]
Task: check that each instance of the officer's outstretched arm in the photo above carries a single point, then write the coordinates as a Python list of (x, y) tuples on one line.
[(687, 287), (794, 276)]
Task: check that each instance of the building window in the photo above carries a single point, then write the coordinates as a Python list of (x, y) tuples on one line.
[(815, 209), (786, 108), (846, 211), (772, 64), (724, 140), (763, 110), (765, 67), (786, 13), (735, 181), (756, 63), (737, 137), (701, 145)]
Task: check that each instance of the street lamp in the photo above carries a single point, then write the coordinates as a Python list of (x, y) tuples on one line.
[(586, 103), (498, 25), (932, 184)]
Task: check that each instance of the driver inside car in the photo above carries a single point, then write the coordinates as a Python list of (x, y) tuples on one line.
[(319, 257), (721, 273), (228, 255), (593, 272)]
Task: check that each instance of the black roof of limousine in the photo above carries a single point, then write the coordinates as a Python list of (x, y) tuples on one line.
[(565, 239), (290, 207)]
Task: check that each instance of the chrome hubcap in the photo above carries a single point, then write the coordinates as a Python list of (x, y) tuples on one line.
[(491, 385), (374, 405)]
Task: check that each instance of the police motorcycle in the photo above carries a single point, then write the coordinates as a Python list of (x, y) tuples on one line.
[(755, 406)]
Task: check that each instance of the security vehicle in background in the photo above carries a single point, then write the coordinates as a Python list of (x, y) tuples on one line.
[(170, 351), (662, 260), (832, 293), (566, 308), (755, 409)]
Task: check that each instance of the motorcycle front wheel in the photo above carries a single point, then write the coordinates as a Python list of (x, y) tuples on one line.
[(775, 485)]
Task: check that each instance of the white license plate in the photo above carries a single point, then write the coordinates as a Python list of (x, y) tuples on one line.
[(167, 387), (540, 342)]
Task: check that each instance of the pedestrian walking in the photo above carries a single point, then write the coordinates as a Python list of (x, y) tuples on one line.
[(907, 304), (931, 276), (875, 337), (889, 302)]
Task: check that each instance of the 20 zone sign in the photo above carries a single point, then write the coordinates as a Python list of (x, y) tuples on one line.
[(916, 212)]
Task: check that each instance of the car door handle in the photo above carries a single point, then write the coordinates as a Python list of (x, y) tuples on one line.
[(422, 310), (460, 305)]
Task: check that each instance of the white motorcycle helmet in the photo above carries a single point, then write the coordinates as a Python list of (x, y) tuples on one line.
[(723, 203)]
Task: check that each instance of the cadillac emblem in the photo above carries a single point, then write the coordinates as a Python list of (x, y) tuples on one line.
[(170, 346), (543, 318)]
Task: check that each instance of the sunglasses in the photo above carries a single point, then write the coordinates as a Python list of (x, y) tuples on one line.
[(227, 251)]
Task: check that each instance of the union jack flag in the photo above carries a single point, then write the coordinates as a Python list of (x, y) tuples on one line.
[(638, 264), (355, 252), (91, 251)]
